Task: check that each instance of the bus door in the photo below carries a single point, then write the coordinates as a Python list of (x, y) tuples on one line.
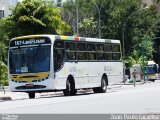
[(58, 62)]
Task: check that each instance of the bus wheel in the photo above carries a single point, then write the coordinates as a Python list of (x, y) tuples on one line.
[(70, 90), (153, 80), (31, 95), (103, 87)]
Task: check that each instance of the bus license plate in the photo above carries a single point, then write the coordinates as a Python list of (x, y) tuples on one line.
[(29, 85)]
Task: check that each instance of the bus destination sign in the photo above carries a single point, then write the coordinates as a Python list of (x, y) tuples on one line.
[(31, 41)]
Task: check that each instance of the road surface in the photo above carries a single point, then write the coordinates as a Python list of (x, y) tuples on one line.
[(118, 99)]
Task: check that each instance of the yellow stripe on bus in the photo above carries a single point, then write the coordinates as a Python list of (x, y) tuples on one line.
[(30, 76)]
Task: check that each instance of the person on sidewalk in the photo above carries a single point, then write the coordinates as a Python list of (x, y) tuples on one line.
[(134, 77)]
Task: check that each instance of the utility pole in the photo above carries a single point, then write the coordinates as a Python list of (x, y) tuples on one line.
[(77, 16)]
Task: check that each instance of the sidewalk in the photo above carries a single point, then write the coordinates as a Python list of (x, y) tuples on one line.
[(12, 95), (4, 93), (8, 95)]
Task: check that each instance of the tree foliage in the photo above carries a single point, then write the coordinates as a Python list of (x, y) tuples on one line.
[(87, 23), (36, 17), (113, 15), (135, 58)]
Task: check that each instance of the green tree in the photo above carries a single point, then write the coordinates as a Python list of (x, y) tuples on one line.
[(136, 25), (86, 21), (87, 27), (36, 17), (3, 74), (135, 58)]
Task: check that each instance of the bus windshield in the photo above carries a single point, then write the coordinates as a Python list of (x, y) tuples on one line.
[(152, 69), (29, 59)]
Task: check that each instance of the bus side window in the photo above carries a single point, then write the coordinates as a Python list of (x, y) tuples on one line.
[(100, 52), (81, 52), (58, 55), (116, 52), (91, 51), (108, 51), (70, 50), (116, 56)]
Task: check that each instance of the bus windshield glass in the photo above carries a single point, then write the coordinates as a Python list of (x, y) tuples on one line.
[(152, 69), (29, 59)]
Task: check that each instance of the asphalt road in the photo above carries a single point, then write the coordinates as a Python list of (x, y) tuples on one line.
[(118, 99)]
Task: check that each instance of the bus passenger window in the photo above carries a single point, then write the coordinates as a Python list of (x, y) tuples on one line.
[(71, 55), (116, 56), (116, 52), (108, 48), (108, 56), (58, 55), (81, 51), (70, 50), (116, 48), (108, 51), (100, 52), (100, 56), (70, 46), (82, 56), (91, 51)]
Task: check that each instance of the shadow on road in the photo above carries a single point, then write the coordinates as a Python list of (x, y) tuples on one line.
[(60, 94)]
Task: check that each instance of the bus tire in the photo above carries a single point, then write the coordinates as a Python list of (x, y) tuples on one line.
[(31, 95), (103, 87), (70, 89), (153, 80)]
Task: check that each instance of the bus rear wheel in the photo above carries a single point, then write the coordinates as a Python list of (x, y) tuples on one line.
[(103, 87), (31, 95), (70, 89)]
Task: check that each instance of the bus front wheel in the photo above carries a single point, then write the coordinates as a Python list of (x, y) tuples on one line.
[(31, 95), (70, 89)]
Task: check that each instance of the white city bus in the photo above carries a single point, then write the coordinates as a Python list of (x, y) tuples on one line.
[(43, 63)]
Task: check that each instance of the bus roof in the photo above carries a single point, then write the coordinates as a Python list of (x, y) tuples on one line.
[(151, 62), (69, 38)]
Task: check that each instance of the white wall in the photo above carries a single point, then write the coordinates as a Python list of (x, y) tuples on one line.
[(6, 4)]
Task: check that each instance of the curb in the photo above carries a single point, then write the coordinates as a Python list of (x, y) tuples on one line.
[(137, 83)]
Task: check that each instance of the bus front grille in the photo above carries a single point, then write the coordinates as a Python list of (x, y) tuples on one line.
[(32, 87)]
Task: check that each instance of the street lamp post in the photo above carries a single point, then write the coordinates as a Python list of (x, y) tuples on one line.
[(123, 39), (143, 64)]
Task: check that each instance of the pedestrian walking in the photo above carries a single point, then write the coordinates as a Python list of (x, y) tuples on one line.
[(134, 77)]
